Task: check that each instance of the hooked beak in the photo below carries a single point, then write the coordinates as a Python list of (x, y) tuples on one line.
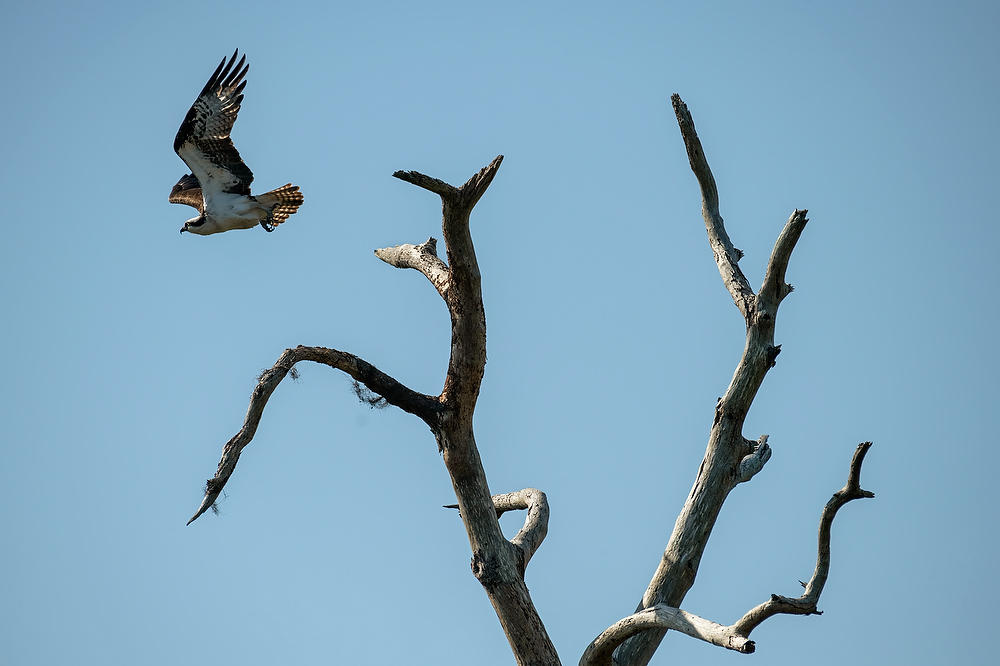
[(184, 228)]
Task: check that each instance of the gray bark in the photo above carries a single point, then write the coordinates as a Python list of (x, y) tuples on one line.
[(498, 563), (727, 447), (730, 457), (736, 636)]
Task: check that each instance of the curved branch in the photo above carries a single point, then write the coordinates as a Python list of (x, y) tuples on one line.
[(726, 256), (729, 458), (806, 604), (536, 522), (424, 406), (662, 617), (736, 636), (421, 257)]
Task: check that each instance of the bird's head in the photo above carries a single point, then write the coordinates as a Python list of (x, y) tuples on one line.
[(196, 225)]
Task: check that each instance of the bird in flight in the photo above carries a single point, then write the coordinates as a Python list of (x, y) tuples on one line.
[(218, 186)]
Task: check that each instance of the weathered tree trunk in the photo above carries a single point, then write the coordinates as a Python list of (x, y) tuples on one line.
[(498, 563), (730, 458)]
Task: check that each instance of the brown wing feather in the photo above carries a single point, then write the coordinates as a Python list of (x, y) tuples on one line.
[(188, 191)]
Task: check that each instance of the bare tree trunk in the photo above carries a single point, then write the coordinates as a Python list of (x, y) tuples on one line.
[(498, 563), (727, 448), (730, 458)]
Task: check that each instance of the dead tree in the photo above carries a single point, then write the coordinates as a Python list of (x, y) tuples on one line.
[(498, 563)]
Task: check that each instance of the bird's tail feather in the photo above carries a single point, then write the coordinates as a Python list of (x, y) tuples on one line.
[(282, 202)]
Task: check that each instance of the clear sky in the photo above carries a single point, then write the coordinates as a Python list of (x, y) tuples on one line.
[(131, 350)]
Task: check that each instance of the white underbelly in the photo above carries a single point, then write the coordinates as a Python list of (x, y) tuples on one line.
[(234, 211)]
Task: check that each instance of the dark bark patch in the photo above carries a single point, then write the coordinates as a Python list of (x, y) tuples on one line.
[(486, 569), (772, 354)]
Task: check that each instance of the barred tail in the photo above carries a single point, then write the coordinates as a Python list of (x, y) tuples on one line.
[(282, 202)]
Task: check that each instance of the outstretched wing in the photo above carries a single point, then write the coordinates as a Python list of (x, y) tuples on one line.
[(203, 139), (188, 191)]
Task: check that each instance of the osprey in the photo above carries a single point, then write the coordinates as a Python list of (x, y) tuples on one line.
[(219, 183)]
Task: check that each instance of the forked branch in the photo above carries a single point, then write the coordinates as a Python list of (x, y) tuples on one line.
[(395, 393), (498, 564), (736, 636), (464, 293), (465, 196), (730, 458)]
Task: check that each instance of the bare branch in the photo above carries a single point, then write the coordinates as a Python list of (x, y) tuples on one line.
[(475, 187), (536, 523), (432, 184), (726, 256), (853, 487), (774, 288), (464, 297), (424, 406), (754, 461), (736, 636), (421, 257), (465, 196), (806, 604), (662, 617), (729, 458), (498, 564)]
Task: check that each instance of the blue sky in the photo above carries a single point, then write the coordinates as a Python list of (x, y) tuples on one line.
[(132, 349)]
